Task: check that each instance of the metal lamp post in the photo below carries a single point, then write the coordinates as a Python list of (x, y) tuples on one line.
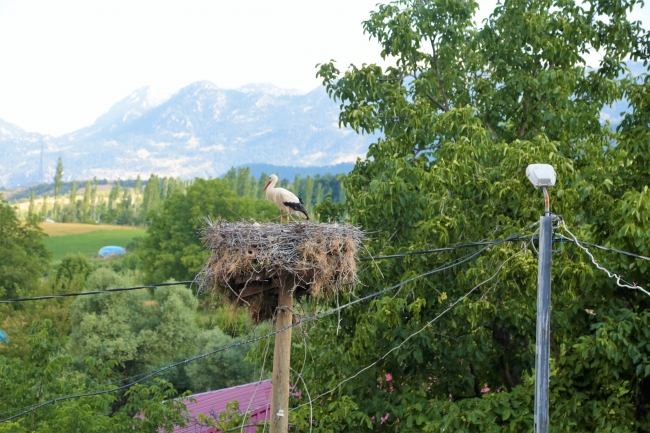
[(543, 177)]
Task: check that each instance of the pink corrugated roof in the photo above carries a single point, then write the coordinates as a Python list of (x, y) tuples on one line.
[(253, 397)]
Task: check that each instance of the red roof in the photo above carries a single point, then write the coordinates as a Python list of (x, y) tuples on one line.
[(254, 398)]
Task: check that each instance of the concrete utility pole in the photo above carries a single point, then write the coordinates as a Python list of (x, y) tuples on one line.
[(542, 349), (543, 177), (282, 358)]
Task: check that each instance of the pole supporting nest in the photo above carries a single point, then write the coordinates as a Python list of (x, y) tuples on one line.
[(265, 267)]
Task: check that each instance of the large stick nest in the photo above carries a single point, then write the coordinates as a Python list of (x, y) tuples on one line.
[(249, 262)]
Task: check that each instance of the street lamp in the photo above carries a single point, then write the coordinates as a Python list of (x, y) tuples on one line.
[(542, 176)]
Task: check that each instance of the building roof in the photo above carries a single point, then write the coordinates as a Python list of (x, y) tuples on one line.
[(254, 398)]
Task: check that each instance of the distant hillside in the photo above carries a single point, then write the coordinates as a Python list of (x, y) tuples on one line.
[(200, 131)]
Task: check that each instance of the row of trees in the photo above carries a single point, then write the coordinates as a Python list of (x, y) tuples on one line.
[(124, 204), (136, 202), (312, 190)]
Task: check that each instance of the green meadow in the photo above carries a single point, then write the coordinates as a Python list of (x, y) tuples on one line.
[(85, 238)]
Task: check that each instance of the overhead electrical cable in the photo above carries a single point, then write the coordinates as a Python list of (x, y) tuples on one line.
[(600, 247), (178, 283), (270, 334), (429, 323), (439, 250), (94, 292), (619, 281)]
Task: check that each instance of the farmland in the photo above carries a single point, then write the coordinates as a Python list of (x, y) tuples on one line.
[(86, 238)]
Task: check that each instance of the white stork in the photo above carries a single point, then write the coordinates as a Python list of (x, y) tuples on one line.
[(286, 200)]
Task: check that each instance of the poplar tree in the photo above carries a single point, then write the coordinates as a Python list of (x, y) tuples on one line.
[(309, 191), (32, 205), (71, 209), (262, 182), (243, 184), (87, 193), (164, 192), (231, 177), (58, 176), (297, 185), (44, 208), (114, 195), (150, 197)]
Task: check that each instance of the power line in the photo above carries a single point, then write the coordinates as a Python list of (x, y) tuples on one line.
[(429, 323), (362, 259), (600, 247), (253, 340), (438, 250), (619, 281), (94, 292)]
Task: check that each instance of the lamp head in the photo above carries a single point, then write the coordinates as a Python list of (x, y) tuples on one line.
[(541, 175)]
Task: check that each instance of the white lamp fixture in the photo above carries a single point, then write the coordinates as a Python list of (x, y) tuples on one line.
[(541, 175)]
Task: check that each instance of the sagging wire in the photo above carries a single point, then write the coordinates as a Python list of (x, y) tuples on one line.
[(270, 334), (96, 292), (619, 281), (231, 346), (413, 334)]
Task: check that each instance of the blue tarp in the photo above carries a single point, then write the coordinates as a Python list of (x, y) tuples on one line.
[(110, 251), (3, 337)]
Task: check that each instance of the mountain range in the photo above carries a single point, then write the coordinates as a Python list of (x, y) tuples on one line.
[(200, 131)]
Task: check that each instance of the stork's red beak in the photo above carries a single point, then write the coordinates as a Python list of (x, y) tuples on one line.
[(267, 185)]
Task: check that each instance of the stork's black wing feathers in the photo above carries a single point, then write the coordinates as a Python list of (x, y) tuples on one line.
[(298, 207)]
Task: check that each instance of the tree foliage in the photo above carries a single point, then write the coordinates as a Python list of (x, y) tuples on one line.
[(48, 373), (462, 112), (172, 247), (23, 258), (223, 370), (137, 329)]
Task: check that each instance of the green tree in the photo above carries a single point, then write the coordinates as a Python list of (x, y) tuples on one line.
[(164, 191), (70, 214), (114, 195), (309, 192), (32, 206), (261, 183), (47, 373), (137, 329), (72, 272), (150, 198), (43, 213), (242, 181), (461, 114), (23, 258), (223, 370), (58, 176), (231, 177), (297, 184), (172, 247)]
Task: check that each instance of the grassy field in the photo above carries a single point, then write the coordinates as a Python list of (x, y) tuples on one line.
[(86, 238)]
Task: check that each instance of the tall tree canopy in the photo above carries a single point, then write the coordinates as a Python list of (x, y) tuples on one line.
[(23, 257), (462, 112)]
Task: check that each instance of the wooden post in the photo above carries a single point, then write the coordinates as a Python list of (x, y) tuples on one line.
[(282, 359)]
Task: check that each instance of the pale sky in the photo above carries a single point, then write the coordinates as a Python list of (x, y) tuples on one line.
[(64, 63)]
